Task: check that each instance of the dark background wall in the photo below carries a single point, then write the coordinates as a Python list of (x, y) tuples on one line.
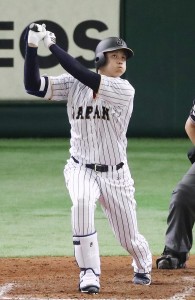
[(33, 119), (162, 35)]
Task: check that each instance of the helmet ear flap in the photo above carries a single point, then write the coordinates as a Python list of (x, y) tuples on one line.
[(100, 60)]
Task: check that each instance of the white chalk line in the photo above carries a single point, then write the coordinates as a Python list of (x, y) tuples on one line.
[(6, 288), (188, 291), (27, 298), (5, 298)]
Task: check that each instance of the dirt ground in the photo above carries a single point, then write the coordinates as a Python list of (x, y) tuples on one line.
[(57, 278)]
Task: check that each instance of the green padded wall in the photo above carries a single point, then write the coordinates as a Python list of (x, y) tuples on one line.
[(162, 35), (33, 119)]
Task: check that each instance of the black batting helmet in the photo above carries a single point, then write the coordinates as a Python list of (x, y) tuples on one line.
[(107, 45)]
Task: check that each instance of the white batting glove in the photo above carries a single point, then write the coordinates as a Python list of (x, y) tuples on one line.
[(49, 39), (36, 33)]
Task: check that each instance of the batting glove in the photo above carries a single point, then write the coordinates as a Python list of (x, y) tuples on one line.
[(36, 33), (49, 39)]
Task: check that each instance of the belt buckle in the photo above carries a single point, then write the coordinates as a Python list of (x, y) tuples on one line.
[(95, 167)]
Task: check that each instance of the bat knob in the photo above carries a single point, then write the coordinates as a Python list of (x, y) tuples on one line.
[(34, 27)]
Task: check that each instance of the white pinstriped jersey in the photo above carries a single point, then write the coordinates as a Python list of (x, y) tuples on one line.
[(98, 126)]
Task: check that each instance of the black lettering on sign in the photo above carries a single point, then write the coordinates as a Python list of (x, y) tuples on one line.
[(6, 62), (48, 61), (6, 44), (6, 25), (84, 42), (80, 38)]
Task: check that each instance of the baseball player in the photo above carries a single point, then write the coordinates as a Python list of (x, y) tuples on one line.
[(99, 106), (181, 218)]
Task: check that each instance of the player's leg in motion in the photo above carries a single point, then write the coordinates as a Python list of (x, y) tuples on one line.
[(120, 207), (84, 193)]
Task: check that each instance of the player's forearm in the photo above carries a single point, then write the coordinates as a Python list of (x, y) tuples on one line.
[(31, 70), (190, 130), (77, 70)]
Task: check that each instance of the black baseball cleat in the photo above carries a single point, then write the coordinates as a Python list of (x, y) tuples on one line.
[(142, 278)]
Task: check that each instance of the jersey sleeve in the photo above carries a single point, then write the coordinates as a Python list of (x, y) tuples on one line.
[(192, 112), (116, 91), (58, 87)]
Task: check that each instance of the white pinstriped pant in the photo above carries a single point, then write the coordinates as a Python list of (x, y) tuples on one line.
[(115, 192)]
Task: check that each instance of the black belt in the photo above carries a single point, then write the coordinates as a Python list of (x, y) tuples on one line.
[(100, 168)]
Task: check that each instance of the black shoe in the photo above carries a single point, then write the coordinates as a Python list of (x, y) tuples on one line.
[(142, 278), (170, 260), (167, 262)]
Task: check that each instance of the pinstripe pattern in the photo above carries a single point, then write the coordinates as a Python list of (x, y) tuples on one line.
[(98, 127), (116, 197), (98, 135)]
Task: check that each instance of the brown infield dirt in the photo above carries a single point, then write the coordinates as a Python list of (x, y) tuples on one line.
[(57, 278)]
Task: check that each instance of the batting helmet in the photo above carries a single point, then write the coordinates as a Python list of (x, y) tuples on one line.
[(107, 45)]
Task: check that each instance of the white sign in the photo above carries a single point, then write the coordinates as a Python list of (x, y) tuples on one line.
[(78, 25)]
